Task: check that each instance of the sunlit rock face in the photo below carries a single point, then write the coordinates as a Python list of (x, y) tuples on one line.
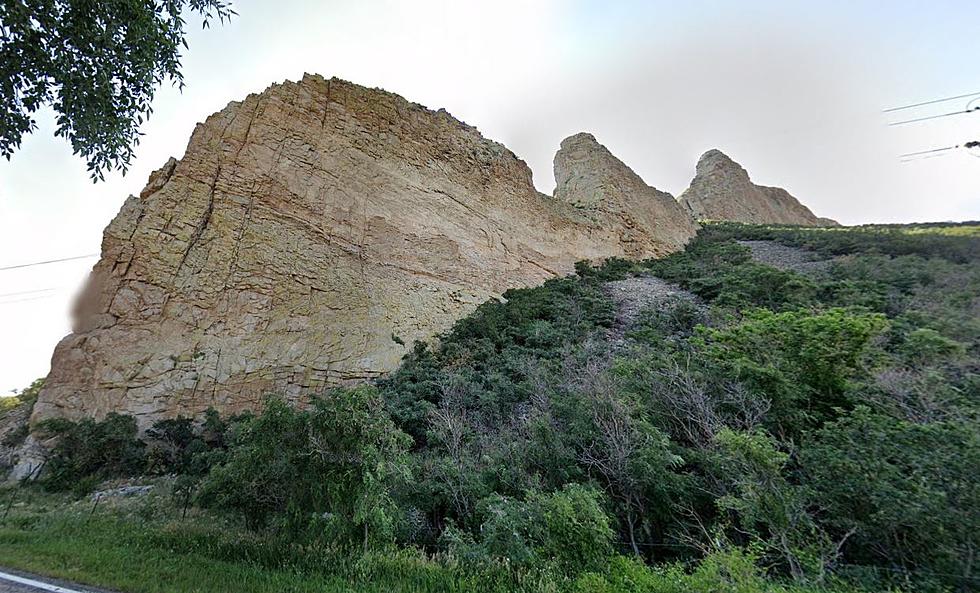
[(310, 233), (600, 185), (722, 190)]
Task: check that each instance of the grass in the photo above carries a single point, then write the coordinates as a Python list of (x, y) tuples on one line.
[(119, 565), (141, 546)]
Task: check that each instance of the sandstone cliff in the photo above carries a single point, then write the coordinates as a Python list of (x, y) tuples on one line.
[(309, 232), (589, 177), (722, 190)]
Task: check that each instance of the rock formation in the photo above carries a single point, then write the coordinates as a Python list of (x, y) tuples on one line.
[(722, 190), (590, 178), (309, 233)]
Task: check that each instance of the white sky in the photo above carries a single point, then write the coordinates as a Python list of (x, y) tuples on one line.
[(791, 90)]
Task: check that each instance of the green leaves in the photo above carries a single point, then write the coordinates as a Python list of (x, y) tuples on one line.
[(89, 451), (326, 471), (801, 360), (911, 490), (98, 64), (566, 529)]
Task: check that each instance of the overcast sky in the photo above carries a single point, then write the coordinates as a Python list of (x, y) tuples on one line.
[(792, 90)]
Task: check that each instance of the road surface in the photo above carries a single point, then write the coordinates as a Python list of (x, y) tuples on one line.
[(20, 582)]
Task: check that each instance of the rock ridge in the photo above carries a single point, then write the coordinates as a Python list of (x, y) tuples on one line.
[(312, 230), (722, 190)]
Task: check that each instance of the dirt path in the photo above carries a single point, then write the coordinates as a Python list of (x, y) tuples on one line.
[(785, 257)]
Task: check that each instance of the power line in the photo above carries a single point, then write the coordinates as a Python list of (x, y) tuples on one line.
[(936, 152), (934, 101), (35, 298), (908, 154), (50, 261), (925, 158), (909, 121), (6, 294)]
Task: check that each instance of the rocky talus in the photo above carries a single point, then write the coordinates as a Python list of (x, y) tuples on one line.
[(785, 257), (722, 190), (311, 232)]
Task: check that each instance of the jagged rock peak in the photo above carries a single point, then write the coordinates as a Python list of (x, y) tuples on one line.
[(716, 159), (723, 190), (591, 178), (308, 233)]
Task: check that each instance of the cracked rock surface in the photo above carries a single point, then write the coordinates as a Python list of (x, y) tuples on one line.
[(309, 235)]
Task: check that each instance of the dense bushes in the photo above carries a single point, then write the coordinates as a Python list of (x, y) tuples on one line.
[(567, 529), (322, 472), (954, 242), (779, 428), (89, 451)]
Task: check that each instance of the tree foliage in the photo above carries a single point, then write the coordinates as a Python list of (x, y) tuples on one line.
[(97, 64), (329, 469)]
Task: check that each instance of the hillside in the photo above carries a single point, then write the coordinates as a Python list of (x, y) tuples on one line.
[(771, 409), (312, 230)]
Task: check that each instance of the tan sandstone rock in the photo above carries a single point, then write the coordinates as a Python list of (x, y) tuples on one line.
[(590, 178), (306, 229), (722, 190)]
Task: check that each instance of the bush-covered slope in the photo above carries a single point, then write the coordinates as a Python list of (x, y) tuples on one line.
[(817, 428)]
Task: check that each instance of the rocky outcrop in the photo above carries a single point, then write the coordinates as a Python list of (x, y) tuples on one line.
[(590, 178), (308, 234), (722, 190)]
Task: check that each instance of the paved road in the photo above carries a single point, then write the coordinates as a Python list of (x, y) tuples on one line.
[(20, 582)]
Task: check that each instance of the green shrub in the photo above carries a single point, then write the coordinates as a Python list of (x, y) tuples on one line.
[(322, 472), (89, 451), (566, 529)]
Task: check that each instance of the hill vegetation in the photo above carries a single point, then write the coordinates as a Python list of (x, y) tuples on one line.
[(777, 431)]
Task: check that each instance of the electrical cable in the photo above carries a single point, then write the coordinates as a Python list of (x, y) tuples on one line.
[(50, 261), (35, 298), (918, 119), (6, 294), (934, 101), (908, 154)]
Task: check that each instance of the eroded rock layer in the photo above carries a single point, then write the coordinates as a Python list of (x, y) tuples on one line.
[(307, 236), (722, 190)]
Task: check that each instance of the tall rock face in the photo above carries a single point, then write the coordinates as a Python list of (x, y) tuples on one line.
[(722, 190), (307, 234), (602, 187)]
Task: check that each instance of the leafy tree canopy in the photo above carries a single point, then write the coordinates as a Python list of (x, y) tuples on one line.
[(97, 64)]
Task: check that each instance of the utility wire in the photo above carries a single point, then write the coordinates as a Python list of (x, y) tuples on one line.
[(936, 152), (930, 102), (909, 121), (926, 157), (908, 154), (6, 294), (50, 261), (34, 298)]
